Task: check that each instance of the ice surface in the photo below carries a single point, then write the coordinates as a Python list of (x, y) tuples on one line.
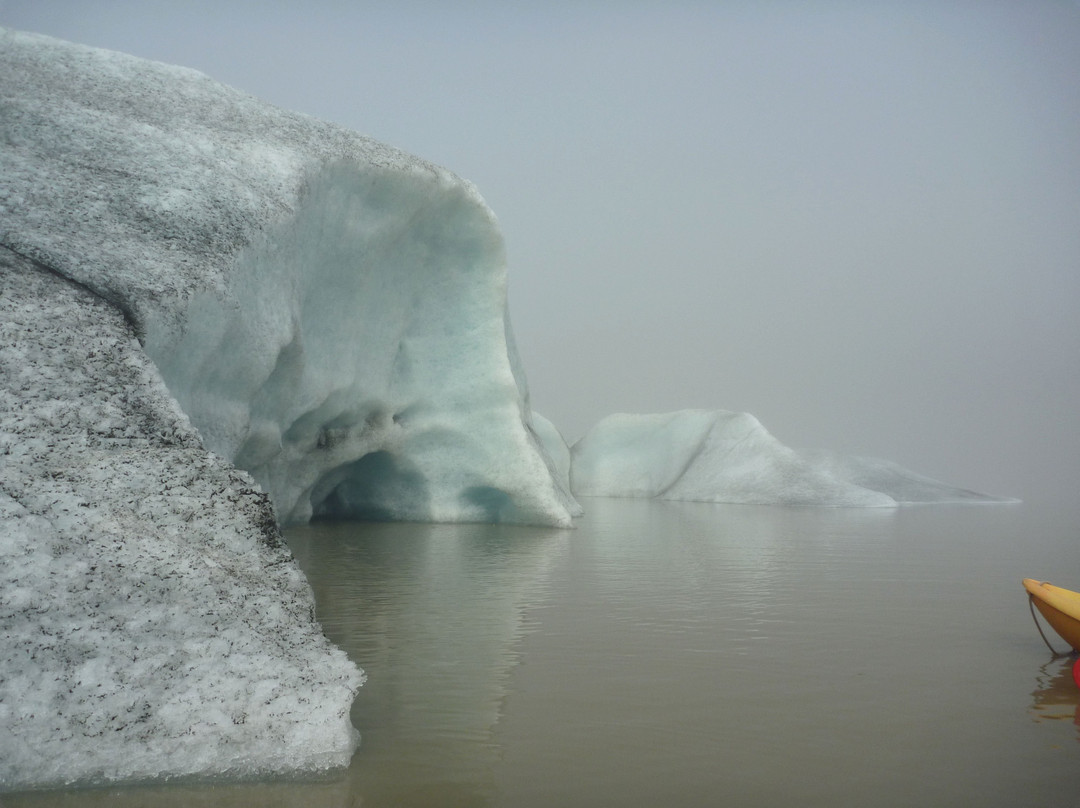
[(153, 622), (721, 456), (329, 311)]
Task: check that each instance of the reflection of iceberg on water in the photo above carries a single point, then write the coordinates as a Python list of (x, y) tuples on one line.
[(436, 611)]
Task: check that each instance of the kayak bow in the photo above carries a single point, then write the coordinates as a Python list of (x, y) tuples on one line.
[(1060, 607)]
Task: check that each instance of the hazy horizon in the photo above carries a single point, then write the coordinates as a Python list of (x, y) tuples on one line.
[(859, 222)]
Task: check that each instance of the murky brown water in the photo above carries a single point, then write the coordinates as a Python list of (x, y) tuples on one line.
[(685, 654)]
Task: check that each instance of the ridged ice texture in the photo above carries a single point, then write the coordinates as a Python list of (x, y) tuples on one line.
[(722, 456), (154, 624), (329, 311)]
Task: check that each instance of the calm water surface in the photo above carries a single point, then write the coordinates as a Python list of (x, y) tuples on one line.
[(690, 655)]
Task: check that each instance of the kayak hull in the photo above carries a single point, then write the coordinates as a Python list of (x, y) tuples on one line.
[(1059, 607)]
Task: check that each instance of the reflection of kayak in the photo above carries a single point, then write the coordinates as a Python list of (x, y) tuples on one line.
[(1060, 607), (1055, 698)]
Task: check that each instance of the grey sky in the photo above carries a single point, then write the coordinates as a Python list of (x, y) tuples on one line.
[(858, 221)]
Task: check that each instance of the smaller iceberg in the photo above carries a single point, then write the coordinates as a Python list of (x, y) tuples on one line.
[(722, 456)]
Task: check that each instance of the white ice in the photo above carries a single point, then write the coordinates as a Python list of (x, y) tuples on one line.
[(153, 622), (721, 456)]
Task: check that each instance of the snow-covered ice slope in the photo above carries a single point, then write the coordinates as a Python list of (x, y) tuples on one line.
[(721, 456), (153, 623), (329, 311)]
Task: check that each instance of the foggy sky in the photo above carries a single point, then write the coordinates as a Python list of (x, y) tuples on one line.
[(858, 221)]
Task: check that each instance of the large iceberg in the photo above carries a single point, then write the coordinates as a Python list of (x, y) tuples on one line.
[(330, 312), (191, 281), (722, 456)]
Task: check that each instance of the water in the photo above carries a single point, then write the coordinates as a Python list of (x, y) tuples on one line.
[(690, 654)]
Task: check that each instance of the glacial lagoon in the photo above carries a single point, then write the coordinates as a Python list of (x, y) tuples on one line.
[(689, 654)]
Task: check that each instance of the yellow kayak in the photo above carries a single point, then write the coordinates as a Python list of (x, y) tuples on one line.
[(1060, 607)]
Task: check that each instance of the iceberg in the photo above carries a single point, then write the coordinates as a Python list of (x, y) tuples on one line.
[(722, 456), (328, 311), (215, 317)]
